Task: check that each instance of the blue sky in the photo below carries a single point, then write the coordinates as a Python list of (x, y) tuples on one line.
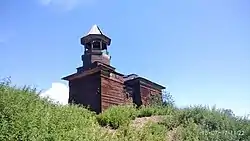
[(199, 49)]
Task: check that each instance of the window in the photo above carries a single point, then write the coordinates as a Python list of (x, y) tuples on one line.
[(128, 91), (96, 45)]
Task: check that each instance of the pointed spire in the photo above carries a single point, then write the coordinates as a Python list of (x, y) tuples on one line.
[(95, 30), (93, 34)]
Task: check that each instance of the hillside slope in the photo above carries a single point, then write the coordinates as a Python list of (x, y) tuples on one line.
[(26, 116)]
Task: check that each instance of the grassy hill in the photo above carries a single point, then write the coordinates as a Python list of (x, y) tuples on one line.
[(26, 116)]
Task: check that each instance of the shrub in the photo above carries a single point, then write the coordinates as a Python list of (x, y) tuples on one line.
[(146, 111), (116, 116)]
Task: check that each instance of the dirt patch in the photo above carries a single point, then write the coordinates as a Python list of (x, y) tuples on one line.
[(140, 122), (108, 129), (172, 135), (137, 123)]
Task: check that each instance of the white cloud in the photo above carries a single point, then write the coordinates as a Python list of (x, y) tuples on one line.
[(59, 92), (65, 4)]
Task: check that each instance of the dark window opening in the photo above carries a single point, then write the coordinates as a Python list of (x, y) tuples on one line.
[(128, 92), (104, 46), (96, 45)]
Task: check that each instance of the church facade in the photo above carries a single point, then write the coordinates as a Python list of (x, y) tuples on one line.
[(98, 85)]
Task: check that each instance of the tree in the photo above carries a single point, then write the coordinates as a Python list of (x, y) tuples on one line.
[(165, 99), (228, 112)]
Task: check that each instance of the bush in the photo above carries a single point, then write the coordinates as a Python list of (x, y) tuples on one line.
[(117, 116), (146, 111), (201, 123)]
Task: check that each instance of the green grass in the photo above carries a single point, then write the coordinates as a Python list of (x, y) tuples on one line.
[(26, 116)]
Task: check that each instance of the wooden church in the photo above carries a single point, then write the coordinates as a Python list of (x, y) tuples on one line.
[(98, 85)]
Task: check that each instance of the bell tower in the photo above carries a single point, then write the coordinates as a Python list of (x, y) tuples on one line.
[(95, 47)]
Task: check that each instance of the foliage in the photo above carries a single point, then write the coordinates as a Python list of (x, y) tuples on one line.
[(147, 111), (168, 99), (165, 99), (201, 123), (116, 116), (26, 116)]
